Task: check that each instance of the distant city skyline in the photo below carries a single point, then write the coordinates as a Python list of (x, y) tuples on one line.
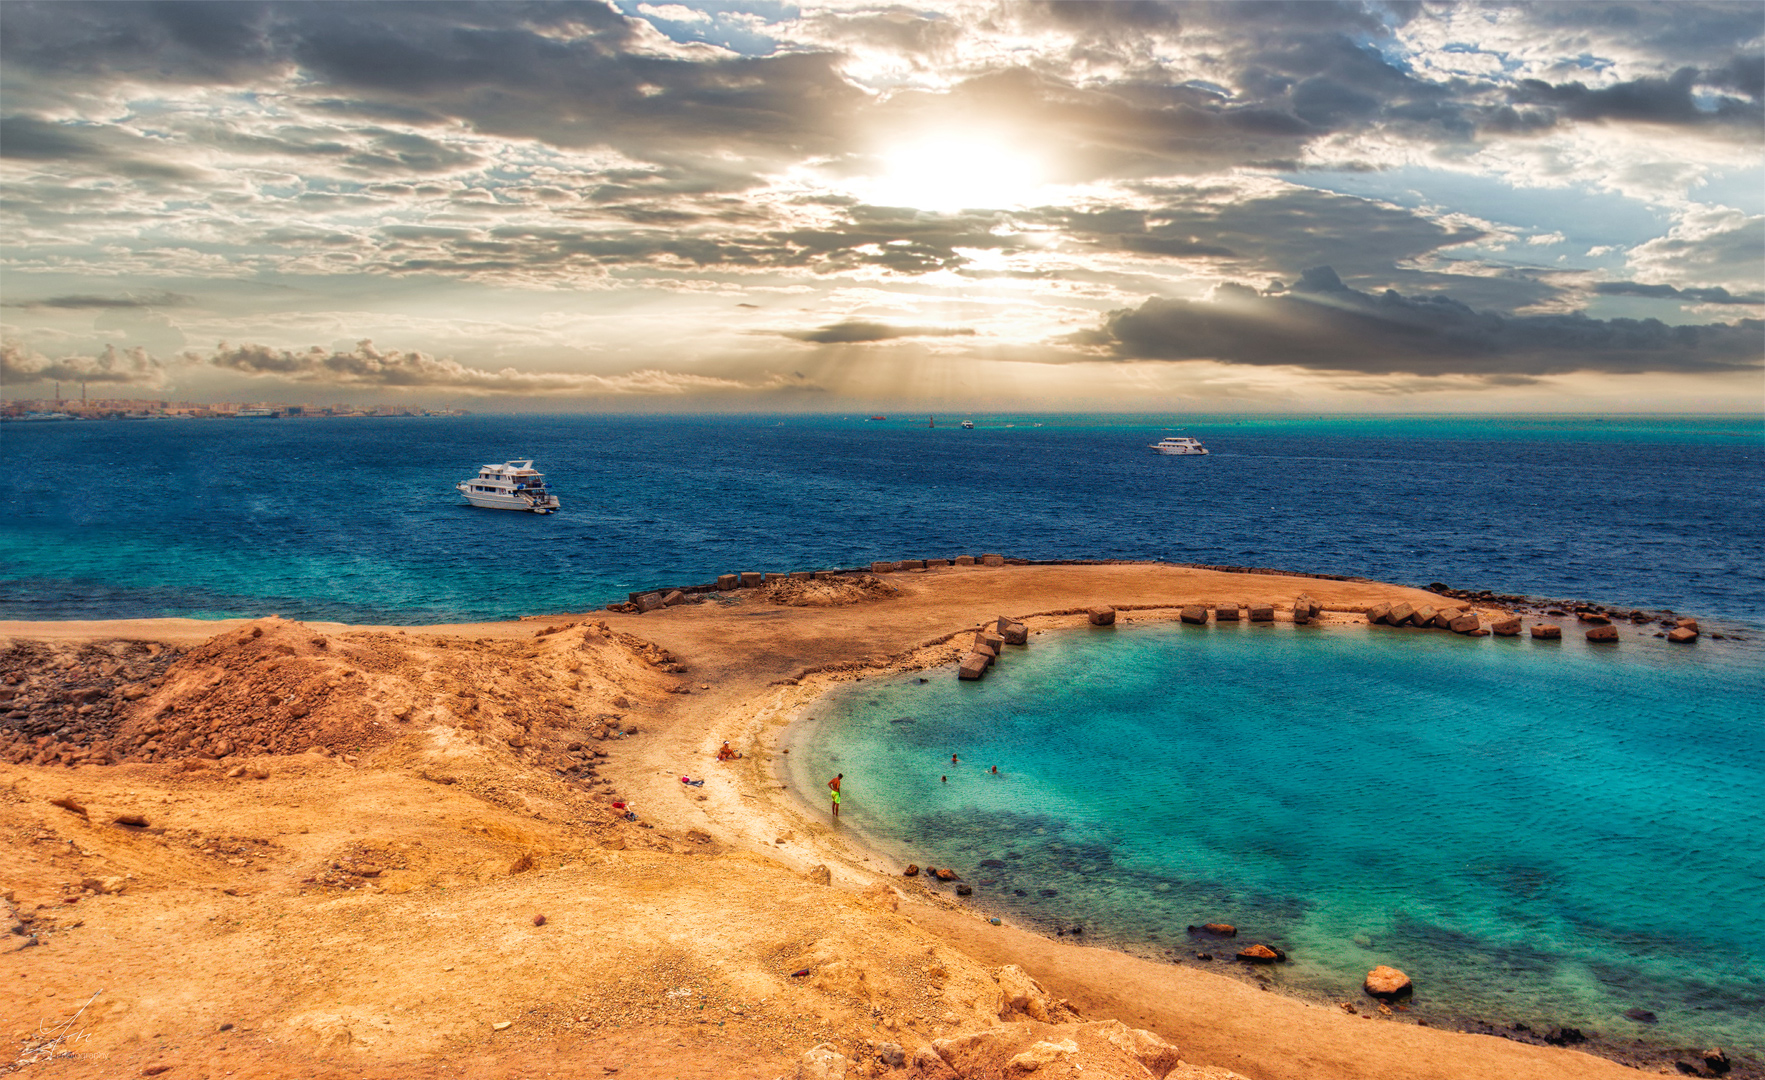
[(941, 207)]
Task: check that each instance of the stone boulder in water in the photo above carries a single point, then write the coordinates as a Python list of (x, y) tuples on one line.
[(1387, 982), (1260, 954), (1546, 631), (1195, 615)]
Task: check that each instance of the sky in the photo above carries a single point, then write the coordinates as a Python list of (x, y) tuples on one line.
[(942, 206)]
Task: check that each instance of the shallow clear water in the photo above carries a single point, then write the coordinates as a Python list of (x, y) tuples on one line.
[(1547, 833), (357, 519)]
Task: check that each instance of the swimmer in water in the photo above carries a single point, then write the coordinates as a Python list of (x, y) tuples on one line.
[(995, 770), (946, 779), (952, 759)]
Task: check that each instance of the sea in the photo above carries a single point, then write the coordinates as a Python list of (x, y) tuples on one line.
[(1538, 835)]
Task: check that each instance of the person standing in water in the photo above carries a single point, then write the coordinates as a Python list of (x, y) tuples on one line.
[(834, 786)]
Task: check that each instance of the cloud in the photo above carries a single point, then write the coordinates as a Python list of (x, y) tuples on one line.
[(855, 331), (368, 366), (1668, 101), (1716, 295), (19, 364), (1709, 246), (104, 303), (1323, 324)]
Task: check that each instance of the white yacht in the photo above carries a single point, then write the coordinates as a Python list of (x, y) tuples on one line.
[(513, 485), (1178, 445), (968, 425)]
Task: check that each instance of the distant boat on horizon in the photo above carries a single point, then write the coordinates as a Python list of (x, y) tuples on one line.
[(1177, 445)]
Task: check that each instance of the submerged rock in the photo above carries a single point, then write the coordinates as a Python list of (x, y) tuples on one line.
[(1260, 954), (1547, 631), (1680, 635), (1607, 633)]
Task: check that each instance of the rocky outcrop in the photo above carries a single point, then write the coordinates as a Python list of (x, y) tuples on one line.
[(1607, 634), (824, 1062), (1101, 616), (1546, 631), (1681, 635), (1020, 994), (1387, 982), (1260, 954), (1508, 627), (1195, 615), (1105, 1049), (1592, 618)]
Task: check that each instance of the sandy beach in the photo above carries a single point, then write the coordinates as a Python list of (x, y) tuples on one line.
[(396, 851)]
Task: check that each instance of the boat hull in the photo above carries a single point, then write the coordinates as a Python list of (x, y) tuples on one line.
[(1178, 451), (548, 505)]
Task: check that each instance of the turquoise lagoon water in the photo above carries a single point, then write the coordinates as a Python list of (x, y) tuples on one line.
[(1542, 833)]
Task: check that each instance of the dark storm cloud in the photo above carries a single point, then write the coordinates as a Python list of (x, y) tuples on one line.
[(1716, 295), (104, 303), (855, 331), (1322, 324), (571, 75), (1669, 101)]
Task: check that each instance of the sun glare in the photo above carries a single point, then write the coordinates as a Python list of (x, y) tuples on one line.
[(952, 173)]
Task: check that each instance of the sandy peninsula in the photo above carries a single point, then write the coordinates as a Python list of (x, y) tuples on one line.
[(275, 849)]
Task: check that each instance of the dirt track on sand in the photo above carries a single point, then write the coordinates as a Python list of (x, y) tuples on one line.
[(344, 881)]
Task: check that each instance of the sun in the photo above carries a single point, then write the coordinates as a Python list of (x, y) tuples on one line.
[(950, 172)]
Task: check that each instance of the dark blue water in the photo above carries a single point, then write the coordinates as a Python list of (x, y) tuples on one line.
[(1547, 833), (357, 519)]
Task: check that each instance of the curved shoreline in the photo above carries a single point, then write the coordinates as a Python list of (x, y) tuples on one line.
[(1531, 1029), (753, 666)]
